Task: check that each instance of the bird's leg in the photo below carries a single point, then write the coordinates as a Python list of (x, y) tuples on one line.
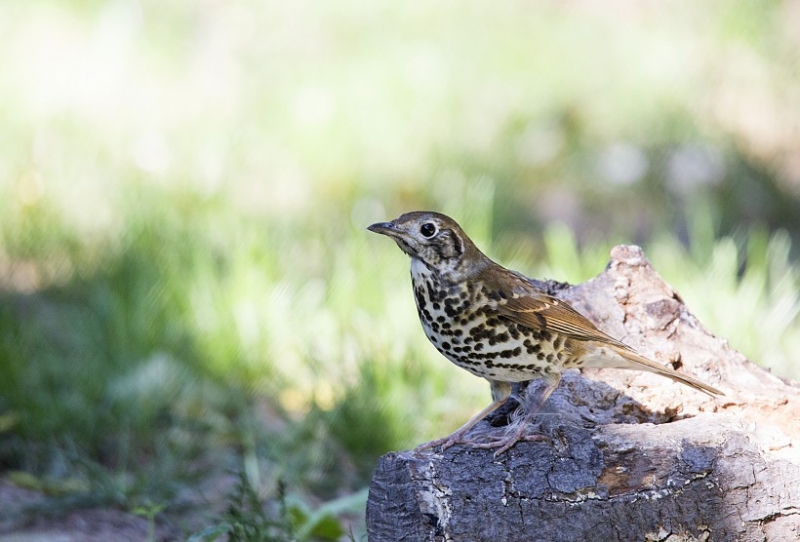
[(518, 432), (500, 393)]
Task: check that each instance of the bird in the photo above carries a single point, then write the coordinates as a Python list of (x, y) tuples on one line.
[(498, 325)]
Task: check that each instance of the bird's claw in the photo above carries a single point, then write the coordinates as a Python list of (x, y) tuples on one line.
[(443, 443), (505, 443), (480, 441)]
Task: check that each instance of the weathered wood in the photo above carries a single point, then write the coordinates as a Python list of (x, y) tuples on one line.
[(629, 455)]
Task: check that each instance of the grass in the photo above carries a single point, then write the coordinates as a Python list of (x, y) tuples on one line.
[(186, 286), (168, 349)]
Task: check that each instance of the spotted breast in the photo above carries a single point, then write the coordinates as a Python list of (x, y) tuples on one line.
[(464, 323)]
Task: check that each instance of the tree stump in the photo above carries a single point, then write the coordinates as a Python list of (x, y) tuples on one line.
[(631, 455)]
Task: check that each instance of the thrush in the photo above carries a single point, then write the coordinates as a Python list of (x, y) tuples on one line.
[(497, 324)]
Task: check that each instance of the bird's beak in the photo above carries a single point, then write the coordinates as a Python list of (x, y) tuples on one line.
[(384, 228), (396, 234)]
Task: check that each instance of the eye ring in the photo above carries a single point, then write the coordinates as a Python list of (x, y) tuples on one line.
[(428, 230)]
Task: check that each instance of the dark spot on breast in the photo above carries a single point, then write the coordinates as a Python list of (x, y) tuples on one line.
[(431, 291), (421, 301)]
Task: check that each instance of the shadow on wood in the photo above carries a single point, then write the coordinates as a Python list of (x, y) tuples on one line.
[(629, 455)]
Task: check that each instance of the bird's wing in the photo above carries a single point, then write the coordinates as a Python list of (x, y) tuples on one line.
[(528, 306)]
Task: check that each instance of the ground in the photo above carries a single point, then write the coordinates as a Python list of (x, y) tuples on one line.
[(81, 525)]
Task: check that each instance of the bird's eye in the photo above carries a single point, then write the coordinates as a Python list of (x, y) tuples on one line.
[(428, 230)]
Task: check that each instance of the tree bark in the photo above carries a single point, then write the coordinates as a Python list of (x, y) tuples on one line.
[(629, 455)]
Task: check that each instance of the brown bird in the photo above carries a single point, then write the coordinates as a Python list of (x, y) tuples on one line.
[(496, 324)]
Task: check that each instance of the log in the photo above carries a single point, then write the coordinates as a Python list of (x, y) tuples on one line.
[(629, 455)]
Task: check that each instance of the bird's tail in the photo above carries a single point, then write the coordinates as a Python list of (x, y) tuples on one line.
[(623, 358)]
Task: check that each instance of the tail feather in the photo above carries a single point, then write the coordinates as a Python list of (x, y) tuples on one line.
[(622, 358)]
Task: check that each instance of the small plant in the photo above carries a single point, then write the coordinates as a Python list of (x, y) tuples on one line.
[(149, 511), (249, 517)]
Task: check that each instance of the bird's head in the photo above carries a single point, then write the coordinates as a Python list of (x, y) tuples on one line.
[(434, 239)]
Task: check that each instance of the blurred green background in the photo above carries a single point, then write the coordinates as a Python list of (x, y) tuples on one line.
[(195, 326)]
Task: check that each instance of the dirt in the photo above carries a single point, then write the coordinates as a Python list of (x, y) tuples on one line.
[(87, 525)]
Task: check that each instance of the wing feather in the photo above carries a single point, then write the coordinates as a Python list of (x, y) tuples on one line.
[(528, 306)]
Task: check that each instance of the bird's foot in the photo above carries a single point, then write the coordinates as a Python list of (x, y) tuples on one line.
[(506, 442), (482, 439), (444, 443)]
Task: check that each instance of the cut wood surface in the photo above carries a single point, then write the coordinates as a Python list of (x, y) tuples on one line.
[(628, 455)]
